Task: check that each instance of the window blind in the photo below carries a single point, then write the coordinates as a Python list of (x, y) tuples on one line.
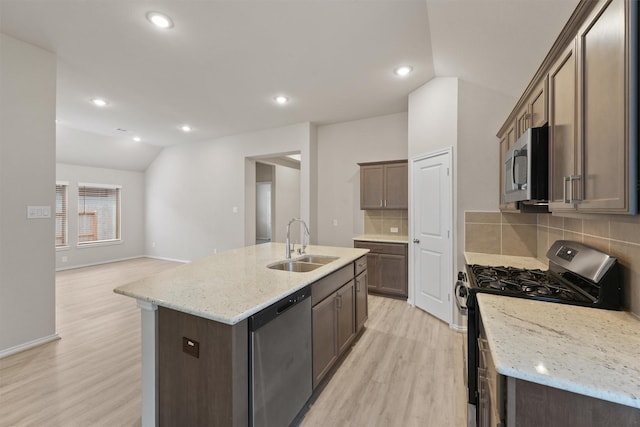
[(61, 215), (98, 213)]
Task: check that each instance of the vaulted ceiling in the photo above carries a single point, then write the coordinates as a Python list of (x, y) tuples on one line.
[(220, 66)]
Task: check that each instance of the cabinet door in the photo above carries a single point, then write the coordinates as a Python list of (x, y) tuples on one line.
[(562, 132), (325, 350), (538, 105), (396, 186), (371, 187), (373, 270), (393, 274), (603, 106), (522, 121), (361, 300), (346, 316)]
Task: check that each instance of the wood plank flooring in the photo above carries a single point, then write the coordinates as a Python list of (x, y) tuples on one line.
[(406, 370)]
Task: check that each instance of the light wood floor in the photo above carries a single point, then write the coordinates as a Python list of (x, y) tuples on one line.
[(406, 370)]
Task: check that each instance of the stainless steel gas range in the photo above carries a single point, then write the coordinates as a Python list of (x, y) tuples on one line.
[(578, 274)]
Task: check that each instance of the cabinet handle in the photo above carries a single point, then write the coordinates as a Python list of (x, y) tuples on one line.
[(380, 202), (357, 285), (566, 180), (385, 203), (571, 179), (338, 302)]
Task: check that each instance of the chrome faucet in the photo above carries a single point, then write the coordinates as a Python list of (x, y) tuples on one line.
[(289, 246)]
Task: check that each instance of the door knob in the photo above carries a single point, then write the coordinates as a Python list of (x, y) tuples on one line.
[(416, 240)]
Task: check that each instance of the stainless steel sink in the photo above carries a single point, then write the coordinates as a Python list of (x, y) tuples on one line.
[(296, 266), (317, 259)]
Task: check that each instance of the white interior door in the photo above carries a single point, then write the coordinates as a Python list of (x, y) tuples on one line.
[(432, 233), (263, 212)]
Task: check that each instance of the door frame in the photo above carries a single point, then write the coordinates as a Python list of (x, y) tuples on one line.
[(452, 239)]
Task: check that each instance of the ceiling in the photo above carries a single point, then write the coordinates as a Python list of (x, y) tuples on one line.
[(220, 66)]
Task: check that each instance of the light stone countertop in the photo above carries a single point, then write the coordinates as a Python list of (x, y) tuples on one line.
[(584, 350), (505, 260), (383, 238), (230, 286)]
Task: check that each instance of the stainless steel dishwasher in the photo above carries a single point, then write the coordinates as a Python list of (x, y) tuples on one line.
[(280, 360)]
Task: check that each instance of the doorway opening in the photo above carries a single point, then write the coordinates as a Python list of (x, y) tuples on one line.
[(277, 196)]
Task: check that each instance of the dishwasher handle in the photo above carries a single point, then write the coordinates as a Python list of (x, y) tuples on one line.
[(266, 315)]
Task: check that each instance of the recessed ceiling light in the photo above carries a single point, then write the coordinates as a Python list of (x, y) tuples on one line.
[(160, 20), (281, 99), (137, 139), (403, 71), (185, 128), (99, 102)]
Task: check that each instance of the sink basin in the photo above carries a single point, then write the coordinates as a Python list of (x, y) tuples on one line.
[(296, 266), (317, 259)]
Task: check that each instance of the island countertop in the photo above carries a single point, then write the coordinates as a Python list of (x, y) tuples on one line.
[(584, 350), (230, 286)]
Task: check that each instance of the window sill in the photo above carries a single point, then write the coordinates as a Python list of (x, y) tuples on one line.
[(100, 243)]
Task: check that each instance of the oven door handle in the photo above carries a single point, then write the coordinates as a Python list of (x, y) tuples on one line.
[(460, 291)]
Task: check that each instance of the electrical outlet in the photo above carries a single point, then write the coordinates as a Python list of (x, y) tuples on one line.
[(64, 259), (335, 222), (394, 229)]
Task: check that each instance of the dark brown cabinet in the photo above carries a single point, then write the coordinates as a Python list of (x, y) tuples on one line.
[(361, 300), (586, 89), (384, 185), (337, 304), (386, 268)]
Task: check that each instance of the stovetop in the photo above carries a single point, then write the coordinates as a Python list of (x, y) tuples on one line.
[(534, 284)]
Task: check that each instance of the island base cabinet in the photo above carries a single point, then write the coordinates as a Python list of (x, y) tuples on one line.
[(534, 405), (203, 377), (333, 329), (361, 300)]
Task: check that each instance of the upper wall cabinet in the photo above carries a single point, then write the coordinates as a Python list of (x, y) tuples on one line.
[(384, 185), (587, 91), (534, 112), (593, 148)]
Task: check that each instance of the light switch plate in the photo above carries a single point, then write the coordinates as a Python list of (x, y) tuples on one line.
[(37, 212)]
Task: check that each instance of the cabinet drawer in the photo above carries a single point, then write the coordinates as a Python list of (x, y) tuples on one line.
[(361, 265), (331, 283), (382, 248)]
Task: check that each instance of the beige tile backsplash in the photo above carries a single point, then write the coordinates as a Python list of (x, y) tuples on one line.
[(533, 234), (381, 222)]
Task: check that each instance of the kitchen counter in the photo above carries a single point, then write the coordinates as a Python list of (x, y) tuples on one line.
[(383, 238), (505, 260), (230, 286), (584, 350)]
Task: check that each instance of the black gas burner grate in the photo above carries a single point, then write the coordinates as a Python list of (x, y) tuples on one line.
[(535, 284)]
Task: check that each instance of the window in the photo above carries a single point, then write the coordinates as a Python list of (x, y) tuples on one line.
[(98, 213), (61, 214)]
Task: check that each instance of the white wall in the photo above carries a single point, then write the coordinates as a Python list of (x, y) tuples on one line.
[(341, 147), (132, 216), (286, 185), (27, 176), (192, 190), (447, 112)]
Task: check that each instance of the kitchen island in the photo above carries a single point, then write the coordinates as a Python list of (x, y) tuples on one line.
[(223, 291), (565, 355)]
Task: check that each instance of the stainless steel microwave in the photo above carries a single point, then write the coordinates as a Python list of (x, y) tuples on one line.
[(526, 167)]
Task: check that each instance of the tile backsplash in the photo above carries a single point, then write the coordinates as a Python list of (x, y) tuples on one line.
[(382, 221), (533, 234)]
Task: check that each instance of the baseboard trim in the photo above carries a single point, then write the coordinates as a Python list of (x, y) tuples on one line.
[(73, 267), (161, 258), (458, 328), (26, 346)]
